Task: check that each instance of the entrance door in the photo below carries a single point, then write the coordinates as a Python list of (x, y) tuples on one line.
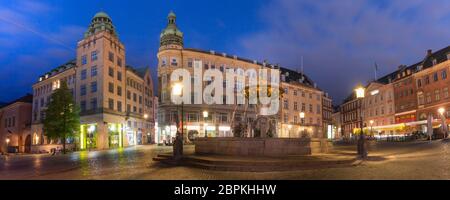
[(114, 141), (139, 138), (28, 144)]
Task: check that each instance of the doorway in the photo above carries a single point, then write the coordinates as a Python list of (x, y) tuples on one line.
[(27, 144)]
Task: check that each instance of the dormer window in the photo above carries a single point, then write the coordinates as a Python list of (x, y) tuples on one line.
[(448, 56), (434, 61)]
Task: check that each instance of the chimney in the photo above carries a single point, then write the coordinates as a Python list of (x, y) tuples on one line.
[(429, 52)]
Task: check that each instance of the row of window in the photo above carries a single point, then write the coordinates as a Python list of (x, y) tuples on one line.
[(10, 122), (48, 88), (433, 97), (302, 120), (134, 84), (350, 106), (351, 116), (377, 98), (113, 45), (404, 93), (94, 57), (303, 93), (93, 87), (208, 65), (303, 108), (93, 105), (426, 79), (378, 111)]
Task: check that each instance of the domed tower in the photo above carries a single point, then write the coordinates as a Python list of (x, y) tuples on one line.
[(171, 36), (101, 83), (100, 22)]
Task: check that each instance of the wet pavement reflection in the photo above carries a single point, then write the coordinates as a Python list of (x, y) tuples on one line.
[(79, 165)]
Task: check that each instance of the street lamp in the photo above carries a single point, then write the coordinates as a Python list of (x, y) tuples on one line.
[(441, 111), (177, 90), (7, 145), (205, 116), (145, 116), (289, 127), (302, 118), (362, 151)]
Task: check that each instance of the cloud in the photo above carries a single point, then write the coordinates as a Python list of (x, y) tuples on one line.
[(341, 39), (27, 44), (33, 6)]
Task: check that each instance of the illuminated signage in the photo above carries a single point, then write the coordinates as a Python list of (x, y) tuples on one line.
[(375, 92)]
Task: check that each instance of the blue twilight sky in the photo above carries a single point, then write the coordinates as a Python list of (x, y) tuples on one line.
[(340, 40)]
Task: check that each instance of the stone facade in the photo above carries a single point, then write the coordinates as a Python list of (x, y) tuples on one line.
[(172, 55), (15, 121), (116, 100), (351, 116), (419, 90), (432, 90), (262, 146), (379, 108)]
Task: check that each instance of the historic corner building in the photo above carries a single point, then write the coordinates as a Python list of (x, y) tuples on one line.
[(116, 100), (15, 125), (401, 102), (301, 106)]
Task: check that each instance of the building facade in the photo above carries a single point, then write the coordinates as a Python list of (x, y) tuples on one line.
[(418, 91), (15, 124), (432, 84), (300, 98), (351, 116), (379, 108), (300, 93), (337, 123), (116, 100), (405, 96), (327, 116)]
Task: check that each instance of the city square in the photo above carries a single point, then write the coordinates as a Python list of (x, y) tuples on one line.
[(120, 93), (405, 161)]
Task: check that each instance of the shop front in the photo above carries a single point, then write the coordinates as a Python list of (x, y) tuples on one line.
[(115, 135), (131, 137), (88, 136)]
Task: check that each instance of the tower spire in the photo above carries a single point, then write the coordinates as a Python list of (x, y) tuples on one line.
[(171, 35)]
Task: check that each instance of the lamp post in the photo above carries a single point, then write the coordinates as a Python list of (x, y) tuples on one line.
[(362, 151), (302, 118), (205, 116), (443, 118), (289, 128), (7, 144), (177, 90)]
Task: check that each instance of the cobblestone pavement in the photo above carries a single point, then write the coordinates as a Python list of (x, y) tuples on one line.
[(411, 160)]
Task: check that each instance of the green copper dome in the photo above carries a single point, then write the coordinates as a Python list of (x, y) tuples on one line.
[(172, 14), (171, 34), (100, 22), (101, 14)]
